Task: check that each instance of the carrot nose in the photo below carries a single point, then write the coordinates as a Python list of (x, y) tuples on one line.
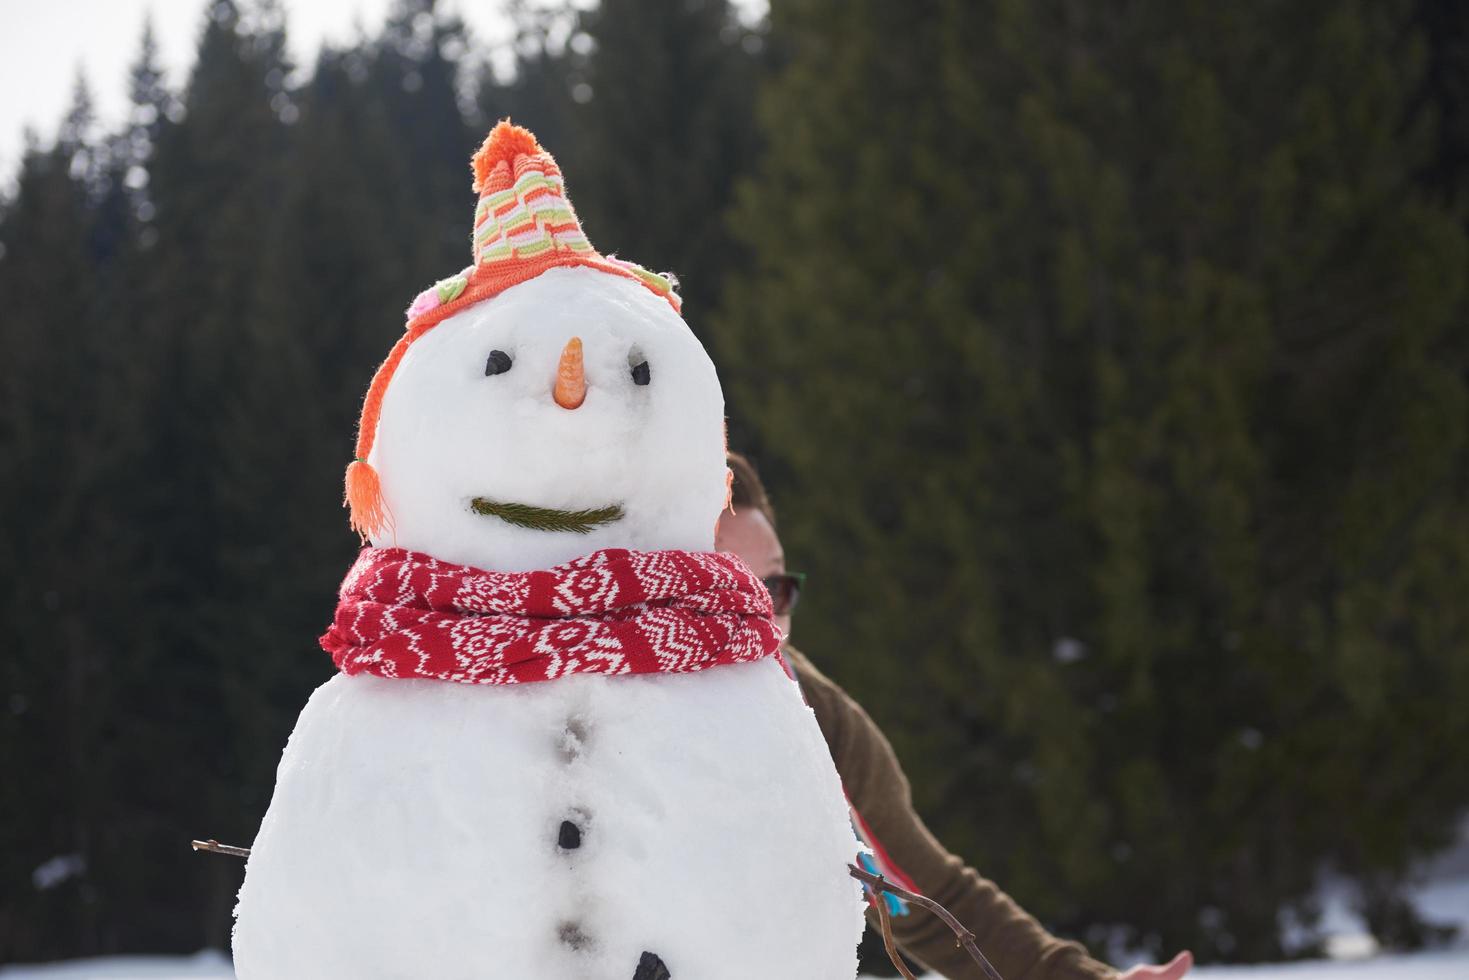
[(571, 378)]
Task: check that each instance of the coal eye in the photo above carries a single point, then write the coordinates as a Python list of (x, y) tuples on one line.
[(640, 375), (498, 363)]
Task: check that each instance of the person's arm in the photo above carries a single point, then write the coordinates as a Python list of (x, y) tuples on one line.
[(1018, 946)]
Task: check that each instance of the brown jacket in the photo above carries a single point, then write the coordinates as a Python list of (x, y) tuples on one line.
[(1014, 942)]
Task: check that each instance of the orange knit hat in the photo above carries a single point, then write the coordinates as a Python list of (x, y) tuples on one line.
[(523, 225)]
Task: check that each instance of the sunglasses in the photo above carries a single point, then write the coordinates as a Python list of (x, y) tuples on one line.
[(785, 590)]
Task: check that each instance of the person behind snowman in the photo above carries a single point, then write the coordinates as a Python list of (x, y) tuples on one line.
[(902, 848)]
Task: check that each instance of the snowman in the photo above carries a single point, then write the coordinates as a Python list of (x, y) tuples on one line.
[(561, 742)]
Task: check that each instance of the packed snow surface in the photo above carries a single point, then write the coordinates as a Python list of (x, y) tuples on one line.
[(1444, 965), (577, 828), (416, 832), (449, 433)]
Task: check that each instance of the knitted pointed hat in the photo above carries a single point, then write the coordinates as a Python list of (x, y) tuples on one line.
[(523, 226)]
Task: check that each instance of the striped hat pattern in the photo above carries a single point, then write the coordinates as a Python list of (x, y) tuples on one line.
[(528, 216), (523, 225)]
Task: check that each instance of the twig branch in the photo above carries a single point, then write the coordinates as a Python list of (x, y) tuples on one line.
[(216, 847), (887, 938), (964, 937)]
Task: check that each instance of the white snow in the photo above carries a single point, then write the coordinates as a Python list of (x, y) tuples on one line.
[(415, 827), (420, 819), (1435, 965), (449, 434), (207, 964), (1442, 965)]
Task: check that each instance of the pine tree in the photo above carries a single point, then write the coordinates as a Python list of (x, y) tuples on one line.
[(1105, 362), (215, 181), (412, 77), (663, 127), (348, 253), (1445, 27), (194, 306), (44, 260), (537, 93), (67, 447)]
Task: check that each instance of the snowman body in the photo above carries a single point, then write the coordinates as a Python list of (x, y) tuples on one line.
[(590, 827)]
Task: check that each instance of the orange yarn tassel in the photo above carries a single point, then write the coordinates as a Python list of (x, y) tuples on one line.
[(505, 142), (369, 514)]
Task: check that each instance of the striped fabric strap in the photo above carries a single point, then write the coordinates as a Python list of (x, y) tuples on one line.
[(659, 284)]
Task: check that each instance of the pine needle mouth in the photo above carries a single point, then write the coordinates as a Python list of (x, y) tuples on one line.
[(546, 518)]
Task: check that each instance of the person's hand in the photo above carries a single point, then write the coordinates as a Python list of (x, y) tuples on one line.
[(1181, 964)]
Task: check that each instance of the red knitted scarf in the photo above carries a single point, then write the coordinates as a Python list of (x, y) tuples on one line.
[(404, 614)]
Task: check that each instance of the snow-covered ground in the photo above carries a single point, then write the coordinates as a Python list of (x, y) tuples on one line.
[(208, 965), (1450, 964), (1446, 964)]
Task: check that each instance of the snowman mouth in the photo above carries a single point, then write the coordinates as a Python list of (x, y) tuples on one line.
[(547, 518)]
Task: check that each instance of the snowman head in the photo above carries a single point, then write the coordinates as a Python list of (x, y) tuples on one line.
[(546, 403)]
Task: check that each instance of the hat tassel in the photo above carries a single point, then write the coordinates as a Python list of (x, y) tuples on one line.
[(368, 513)]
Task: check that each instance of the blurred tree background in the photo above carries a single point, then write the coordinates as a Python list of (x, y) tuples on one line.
[(1108, 367)]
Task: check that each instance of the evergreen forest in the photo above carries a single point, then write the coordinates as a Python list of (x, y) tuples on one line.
[(1108, 366)]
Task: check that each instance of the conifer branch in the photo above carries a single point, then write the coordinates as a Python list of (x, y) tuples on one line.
[(547, 518)]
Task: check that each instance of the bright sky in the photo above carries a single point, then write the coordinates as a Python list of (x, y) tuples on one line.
[(43, 45)]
